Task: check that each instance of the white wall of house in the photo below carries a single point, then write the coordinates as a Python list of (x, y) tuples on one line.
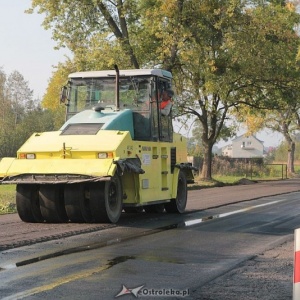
[(227, 151), (244, 147)]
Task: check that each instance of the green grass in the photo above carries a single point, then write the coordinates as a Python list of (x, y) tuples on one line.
[(219, 180), (227, 179), (7, 198), (235, 179)]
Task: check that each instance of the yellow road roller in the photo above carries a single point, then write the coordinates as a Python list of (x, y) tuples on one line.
[(116, 152)]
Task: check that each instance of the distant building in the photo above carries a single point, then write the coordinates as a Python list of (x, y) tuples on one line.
[(244, 147)]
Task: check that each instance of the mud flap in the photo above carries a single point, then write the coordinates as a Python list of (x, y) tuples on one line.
[(188, 169), (130, 165)]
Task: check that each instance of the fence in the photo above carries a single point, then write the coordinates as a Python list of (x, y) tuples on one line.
[(252, 168)]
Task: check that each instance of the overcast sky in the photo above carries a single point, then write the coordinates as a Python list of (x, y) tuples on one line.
[(25, 46)]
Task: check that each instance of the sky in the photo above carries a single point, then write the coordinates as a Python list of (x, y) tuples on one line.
[(25, 46), (28, 48), (269, 138)]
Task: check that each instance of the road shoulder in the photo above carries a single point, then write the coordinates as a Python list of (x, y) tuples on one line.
[(267, 276)]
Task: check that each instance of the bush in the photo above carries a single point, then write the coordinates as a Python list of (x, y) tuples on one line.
[(245, 167)]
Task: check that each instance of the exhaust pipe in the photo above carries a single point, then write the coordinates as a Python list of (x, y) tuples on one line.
[(117, 92)]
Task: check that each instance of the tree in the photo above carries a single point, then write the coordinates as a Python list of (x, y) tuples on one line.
[(19, 95), (236, 59), (223, 54), (6, 116), (284, 120), (283, 94), (35, 120), (16, 101), (52, 96), (85, 25), (20, 114)]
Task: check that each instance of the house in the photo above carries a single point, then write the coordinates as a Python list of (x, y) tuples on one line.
[(244, 147)]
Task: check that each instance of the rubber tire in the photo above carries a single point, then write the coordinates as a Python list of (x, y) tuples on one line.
[(155, 208), (51, 198), (178, 204), (27, 201), (106, 200), (73, 195), (76, 203)]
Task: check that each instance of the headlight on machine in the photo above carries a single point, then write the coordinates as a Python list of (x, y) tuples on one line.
[(27, 156), (103, 155)]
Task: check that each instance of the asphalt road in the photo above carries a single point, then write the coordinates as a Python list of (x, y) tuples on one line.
[(214, 197), (15, 233), (205, 253)]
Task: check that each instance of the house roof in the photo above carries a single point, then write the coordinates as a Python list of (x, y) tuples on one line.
[(244, 136), (239, 138)]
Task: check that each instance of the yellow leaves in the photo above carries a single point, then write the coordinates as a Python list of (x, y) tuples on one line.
[(253, 120), (217, 11), (58, 80), (209, 86), (212, 66), (168, 7), (254, 123), (290, 6)]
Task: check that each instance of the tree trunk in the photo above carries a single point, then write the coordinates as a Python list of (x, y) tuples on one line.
[(291, 147), (291, 158), (207, 162)]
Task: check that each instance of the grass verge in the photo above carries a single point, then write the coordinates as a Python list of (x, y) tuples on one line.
[(7, 199)]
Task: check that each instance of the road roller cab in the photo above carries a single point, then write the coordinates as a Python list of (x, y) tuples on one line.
[(116, 152)]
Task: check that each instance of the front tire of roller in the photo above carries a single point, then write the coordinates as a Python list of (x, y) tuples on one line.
[(106, 200), (73, 196), (52, 203), (27, 201), (77, 203)]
